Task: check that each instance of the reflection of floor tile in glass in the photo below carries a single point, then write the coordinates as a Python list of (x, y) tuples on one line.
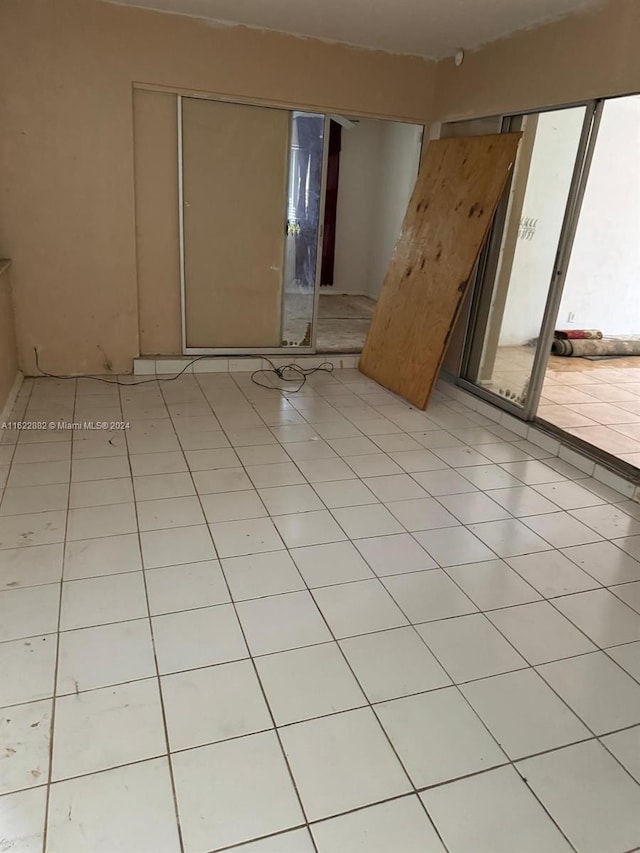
[(511, 372), (343, 320), (297, 314)]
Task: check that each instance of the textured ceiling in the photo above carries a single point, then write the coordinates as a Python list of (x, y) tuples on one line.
[(430, 28)]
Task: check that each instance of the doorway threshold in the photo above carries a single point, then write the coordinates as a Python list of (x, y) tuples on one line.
[(590, 451)]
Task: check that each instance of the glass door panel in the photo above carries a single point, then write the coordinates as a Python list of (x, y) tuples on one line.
[(251, 199), (506, 342), (302, 228)]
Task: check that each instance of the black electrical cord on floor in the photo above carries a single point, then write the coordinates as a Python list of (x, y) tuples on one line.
[(300, 373), (117, 381)]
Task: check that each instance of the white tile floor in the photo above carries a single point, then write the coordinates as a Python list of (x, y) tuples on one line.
[(317, 622)]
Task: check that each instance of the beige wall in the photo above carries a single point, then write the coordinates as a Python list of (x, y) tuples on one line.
[(67, 69), (378, 168), (67, 211), (155, 133), (8, 349), (587, 55), (402, 148), (359, 198)]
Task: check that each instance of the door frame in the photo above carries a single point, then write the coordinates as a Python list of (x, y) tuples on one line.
[(489, 261), (307, 350), (330, 211), (320, 239), (563, 255)]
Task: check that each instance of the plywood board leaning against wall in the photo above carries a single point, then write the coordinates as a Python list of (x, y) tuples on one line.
[(456, 194)]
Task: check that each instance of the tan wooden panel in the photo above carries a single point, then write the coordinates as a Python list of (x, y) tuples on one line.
[(458, 188), (235, 192), (155, 124)]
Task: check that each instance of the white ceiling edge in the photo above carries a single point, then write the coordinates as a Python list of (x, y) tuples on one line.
[(217, 23), (585, 7)]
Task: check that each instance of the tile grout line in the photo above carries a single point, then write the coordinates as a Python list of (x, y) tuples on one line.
[(376, 576), (351, 582), (372, 707), (45, 833), (155, 660), (415, 789), (509, 761), (486, 612), (460, 692), (600, 650), (328, 642), (368, 704), (268, 516), (256, 674)]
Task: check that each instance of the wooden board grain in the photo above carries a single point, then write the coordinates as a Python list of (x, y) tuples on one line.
[(453, 202)]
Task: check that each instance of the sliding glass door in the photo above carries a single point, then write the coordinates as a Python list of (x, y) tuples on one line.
[(522, 273), (251, 190), (304, 203)]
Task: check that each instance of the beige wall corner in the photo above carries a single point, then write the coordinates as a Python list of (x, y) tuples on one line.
[(67, 70), (10, 376), (586, 55)]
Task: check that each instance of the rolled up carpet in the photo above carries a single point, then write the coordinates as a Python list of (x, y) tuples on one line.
[(561, 347), (578, 334), (605, 346)]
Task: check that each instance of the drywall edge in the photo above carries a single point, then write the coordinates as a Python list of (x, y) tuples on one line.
[(10, 376)]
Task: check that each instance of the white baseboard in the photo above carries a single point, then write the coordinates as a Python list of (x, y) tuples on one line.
[(222, 364), (11, 399), (626, 489)]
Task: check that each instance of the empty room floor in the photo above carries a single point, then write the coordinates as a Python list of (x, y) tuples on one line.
[(327, 622)]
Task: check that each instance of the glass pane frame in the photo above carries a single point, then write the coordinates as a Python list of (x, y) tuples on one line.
[(304, 225), (488, 268)]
